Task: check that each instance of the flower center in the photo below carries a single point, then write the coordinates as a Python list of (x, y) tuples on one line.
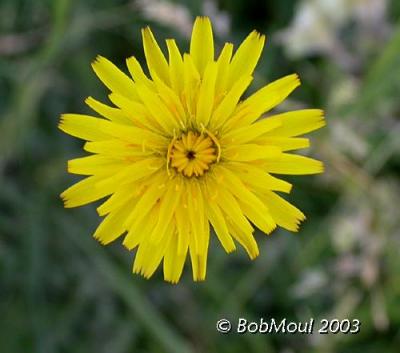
[(192, 154)]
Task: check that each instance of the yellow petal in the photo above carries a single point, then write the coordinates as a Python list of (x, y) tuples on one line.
[(149, 256), (110, 113), (155, 59), (245, 239), (169, 203), (136, 112), (137, 236), (293, 164), (205, 101), (228, 203), (284, 214), (202, 43), (298, 122), (150, 197), (135, 135), (117, 149), (134, 171), (228, 105), (136, 71), (246, 57), (191, 83), (223, 70), (221, 229), (256, 178), (83, 192), (250, 132), (199, 264), (251, 205), (284, 143), (182, 225), (171, 100), (175, 66), (158, 110), (92, 165), (114, 78), (195, 207), (173, 261), (250, 152), (82, 126), (263, 100), (119, 198), (113, 224)]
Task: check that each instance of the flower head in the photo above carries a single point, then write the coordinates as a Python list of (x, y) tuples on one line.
[(180, 152)]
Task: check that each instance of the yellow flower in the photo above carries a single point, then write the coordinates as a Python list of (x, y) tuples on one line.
[(181, 152)]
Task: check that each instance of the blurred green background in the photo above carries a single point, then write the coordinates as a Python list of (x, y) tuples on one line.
[(60, 291)]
